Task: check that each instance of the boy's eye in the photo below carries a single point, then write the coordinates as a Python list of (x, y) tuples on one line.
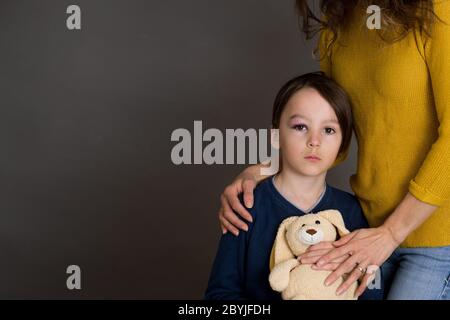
[(330, 131), (299, 127)]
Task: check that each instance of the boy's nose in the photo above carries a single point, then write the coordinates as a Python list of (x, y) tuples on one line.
[(313, 142), (314, 139)]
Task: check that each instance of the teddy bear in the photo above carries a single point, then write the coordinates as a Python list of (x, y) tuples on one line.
[(295, 234)]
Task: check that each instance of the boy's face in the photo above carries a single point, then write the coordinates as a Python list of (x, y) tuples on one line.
[(309, 134)]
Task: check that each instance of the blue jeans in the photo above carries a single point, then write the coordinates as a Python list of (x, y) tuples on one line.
[(417, 274)]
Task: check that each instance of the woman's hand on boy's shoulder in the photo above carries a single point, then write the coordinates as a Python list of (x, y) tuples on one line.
[(229, 221)]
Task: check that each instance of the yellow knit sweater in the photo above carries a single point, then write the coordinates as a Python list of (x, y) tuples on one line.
[(401, 106)]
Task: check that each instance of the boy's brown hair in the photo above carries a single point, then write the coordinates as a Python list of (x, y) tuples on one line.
[(329, 90)]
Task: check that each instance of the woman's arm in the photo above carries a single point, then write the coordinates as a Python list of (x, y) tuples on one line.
[(407, 217), (431, 183)]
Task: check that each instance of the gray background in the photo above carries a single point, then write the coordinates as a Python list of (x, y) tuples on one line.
[(86, 117)]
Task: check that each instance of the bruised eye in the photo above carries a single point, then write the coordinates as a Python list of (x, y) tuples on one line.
[(317, 222), (300, 127), (330, 131)]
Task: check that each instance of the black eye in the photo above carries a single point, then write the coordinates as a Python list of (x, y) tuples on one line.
[(303, 225), (317, 222)]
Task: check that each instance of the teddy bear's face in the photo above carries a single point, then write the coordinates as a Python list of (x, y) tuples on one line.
[(309, 230)]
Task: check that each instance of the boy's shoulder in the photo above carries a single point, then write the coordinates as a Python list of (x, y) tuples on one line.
[(343, 196), (349, 207), (261, 194)]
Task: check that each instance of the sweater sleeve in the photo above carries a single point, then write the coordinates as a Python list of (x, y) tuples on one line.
[(226, 279), (431, 183)]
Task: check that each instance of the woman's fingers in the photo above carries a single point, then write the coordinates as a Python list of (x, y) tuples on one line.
[(334, 254), (230, 216), (345, 239), (357, 272), (222, 227), (229, 219), (328, 267), (232, 205), (228, 226), (313, 260), (230, 196), (312, 256), (320, 246), (309, 260), (345, 267), (342, 258), (224, 230), (248, 186), (366, 279)]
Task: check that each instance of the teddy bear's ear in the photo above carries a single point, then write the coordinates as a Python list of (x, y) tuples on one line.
[(335, 218), (281, 250)]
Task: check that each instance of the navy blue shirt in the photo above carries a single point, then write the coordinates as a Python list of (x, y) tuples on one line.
[(241, 267)]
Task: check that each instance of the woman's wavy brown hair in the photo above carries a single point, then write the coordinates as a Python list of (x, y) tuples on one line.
[(399, 15)]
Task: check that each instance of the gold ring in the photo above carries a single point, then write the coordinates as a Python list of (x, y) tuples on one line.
[(362, 270)]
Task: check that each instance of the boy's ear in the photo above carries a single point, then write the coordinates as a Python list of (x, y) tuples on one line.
[(335, 218), (281, 250), (275, 138)]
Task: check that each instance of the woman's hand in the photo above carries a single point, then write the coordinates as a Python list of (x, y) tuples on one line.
[(362, 249), (246, 183), (370, 248), (317, 251)]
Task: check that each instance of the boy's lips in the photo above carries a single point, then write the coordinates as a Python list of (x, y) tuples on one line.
[(312, 158)]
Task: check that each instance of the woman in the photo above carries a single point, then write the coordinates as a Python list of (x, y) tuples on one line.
[(398, 78)]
